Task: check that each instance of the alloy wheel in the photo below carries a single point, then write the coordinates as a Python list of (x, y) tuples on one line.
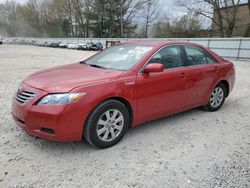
[(110, 125), (217, 97)]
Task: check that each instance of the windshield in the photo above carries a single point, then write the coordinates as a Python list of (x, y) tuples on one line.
[(121, 57)]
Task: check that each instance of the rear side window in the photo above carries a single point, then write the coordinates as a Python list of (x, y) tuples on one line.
[(169, 56), (196, 56)]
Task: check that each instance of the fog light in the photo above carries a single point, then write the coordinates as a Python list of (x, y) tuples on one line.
[(47, 130)]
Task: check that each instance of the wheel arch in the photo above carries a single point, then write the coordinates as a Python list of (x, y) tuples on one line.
[(87, 126), (127, 104), (120, 99), (226, 84)]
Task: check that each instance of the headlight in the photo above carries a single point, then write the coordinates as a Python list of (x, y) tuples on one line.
[(66, 98)]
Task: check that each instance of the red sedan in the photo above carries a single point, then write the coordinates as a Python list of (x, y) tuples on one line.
[(100, 98)]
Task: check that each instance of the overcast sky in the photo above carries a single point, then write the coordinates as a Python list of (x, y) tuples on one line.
[(20, 1)]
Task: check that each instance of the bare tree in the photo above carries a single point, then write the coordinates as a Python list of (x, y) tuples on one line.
[(69, 18), (128, 10), (247, 32), (150, 13), (66, 9), (8, 18), (87, 11), (222, 13), (188, 25)]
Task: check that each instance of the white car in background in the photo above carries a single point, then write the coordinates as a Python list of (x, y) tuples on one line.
[(72, 46), (63, 45)]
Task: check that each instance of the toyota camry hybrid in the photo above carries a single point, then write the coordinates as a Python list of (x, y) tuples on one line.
[(100, 98)]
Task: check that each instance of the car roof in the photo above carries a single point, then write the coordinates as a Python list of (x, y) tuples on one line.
[(159, 43)]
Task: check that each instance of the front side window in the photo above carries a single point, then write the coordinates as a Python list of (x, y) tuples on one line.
[(120, 57), (196, 56), (169, 56)]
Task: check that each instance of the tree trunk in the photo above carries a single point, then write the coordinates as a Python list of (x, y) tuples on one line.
[(87, 28), (230, 29), (220, 22), (247, 32), (147, 20), (121, 20)]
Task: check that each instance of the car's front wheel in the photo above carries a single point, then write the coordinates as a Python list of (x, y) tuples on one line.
[(107, 124), (217, 98)]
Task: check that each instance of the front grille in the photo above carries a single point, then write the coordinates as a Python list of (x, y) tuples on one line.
[(24, 96)]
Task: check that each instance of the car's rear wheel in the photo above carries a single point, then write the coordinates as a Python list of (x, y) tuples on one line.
[(217, 98), (107, 124)]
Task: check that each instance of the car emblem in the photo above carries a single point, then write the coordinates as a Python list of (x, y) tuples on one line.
[(19, 90)]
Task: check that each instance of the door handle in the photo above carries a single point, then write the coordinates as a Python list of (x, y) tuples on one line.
[(183, 75), (130, 83)]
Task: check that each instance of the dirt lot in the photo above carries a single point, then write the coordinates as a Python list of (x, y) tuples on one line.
[(192, 149)]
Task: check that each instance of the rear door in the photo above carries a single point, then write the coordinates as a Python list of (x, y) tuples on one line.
[(202, 70)]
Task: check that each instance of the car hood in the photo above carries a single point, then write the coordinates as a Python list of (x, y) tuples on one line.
[(67, 77)]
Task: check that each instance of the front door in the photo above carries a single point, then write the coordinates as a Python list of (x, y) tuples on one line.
[(164, 93)]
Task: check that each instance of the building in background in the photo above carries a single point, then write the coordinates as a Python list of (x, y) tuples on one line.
[(241, 22)]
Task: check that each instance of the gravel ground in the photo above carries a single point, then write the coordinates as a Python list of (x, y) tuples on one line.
[(191, 149)]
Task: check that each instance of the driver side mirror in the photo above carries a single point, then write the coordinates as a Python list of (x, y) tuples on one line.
[(154, 67)]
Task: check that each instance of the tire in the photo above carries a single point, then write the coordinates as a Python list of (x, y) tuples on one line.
[(107, 124), (217, 98)]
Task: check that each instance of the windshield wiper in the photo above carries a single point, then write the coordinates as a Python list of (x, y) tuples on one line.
[(97, 66), (82, 62)]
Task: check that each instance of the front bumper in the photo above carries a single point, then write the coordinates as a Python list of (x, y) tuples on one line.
[(53, 122)]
